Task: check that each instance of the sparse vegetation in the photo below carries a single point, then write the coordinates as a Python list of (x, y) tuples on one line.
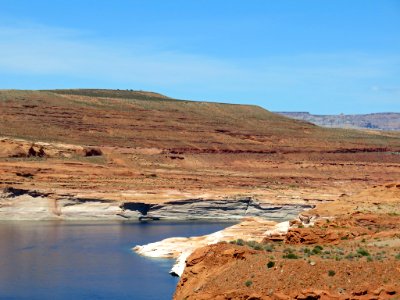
[(252, 244), (317, 250), (240, 242), (248, 283), (270, 264), (269, 247), (393, 214), (255, 245), (363, 252), (290, 256)]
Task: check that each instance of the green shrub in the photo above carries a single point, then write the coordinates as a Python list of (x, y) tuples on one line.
[(240, 242), (248, 283), (363, 252), (397, 256), (317, 250), (251, 243), (340, 251), (269, 247), (270, 264), (288, 250), (331, 273), (255, 245), (290, 256)]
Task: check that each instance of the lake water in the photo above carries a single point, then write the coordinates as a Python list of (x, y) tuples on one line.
[(64, 260)]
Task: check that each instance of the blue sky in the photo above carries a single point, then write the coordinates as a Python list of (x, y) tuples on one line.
[(320, 56)]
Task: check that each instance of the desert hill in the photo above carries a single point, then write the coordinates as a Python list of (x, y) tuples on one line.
[(135, 146), (144, 119)]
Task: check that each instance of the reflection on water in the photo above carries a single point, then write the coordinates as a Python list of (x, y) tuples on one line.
[(61, 260)]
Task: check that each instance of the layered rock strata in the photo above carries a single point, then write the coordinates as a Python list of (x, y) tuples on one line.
[(22, 204)]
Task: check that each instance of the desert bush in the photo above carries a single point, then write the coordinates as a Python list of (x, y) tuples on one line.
[(240, 242), (251, 243), (270, 264), (331, 273), (255, 245), (290, 255), (248, 283), (288, 250), (269, 247), (317, 249), (363, 252), (258, 247)]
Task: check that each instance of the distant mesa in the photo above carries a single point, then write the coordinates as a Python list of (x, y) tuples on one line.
[(376, 121)]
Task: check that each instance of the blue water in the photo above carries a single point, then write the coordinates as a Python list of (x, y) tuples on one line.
[(63, 260)]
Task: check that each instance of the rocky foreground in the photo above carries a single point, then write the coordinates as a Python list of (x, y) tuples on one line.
[(223, 271), (345, 249)]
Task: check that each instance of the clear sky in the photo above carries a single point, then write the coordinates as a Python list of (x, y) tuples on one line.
[(323, 56)]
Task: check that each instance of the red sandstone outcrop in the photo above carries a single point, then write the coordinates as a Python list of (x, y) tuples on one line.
[(353, 254)]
